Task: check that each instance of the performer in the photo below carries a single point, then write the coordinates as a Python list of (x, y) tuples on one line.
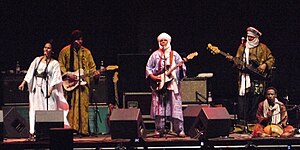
[(166, 103), (251, 88), (72, 58), (272, 117), (44, 75)]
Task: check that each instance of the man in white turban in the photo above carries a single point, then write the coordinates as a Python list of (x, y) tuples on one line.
[(166, 101)]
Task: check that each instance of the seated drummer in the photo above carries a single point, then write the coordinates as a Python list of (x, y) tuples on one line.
[(272, 117)]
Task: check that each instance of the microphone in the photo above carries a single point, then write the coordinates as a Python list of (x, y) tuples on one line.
[(243, 40)]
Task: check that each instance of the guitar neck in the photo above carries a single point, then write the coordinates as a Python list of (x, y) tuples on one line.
[(172, 69), (224, 54), (90, 74), (116, 94), (236, 60)]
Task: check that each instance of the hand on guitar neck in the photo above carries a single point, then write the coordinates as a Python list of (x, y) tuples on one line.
[(159, 80)]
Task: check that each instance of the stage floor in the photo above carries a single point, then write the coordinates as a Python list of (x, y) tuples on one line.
[(169, 141)]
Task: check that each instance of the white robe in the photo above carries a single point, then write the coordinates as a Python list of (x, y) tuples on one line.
[(37, 90)]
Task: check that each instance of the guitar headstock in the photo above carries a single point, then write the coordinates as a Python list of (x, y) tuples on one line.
[(112, 67), (213, 49), (192, 55)]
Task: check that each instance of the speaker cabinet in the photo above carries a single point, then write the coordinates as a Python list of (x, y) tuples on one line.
[(15, 126), (99, 90), (11, 93), (190, 114), (215, 121), (127, 124), (193, 90), (46, 119), (1, 126)]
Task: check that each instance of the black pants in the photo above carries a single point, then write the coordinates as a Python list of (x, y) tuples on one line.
[(247, 107)]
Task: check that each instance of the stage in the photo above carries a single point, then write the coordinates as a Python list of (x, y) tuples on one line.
[(169, 141)]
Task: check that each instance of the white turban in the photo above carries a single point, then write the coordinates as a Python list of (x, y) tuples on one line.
[(167, 37), (251, 31)]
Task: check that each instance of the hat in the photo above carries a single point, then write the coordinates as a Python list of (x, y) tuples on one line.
[(251, 31)]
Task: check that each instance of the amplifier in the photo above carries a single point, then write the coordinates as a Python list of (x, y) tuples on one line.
[(193, 90), (10, 92), (140, 100), (98, 118)]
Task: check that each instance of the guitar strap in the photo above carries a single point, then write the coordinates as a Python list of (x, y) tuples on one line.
[(69, 93), (161, 57), (71, 58)]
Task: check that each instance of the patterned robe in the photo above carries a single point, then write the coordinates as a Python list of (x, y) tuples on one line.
[(155, 65), (261, 54), (87, 63)]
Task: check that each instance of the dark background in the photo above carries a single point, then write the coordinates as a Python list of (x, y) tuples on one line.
[(124, 32)]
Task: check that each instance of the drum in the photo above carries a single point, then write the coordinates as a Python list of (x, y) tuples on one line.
[(273, 130)]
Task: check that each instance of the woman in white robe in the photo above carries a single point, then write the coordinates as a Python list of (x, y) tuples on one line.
[(42, 69)]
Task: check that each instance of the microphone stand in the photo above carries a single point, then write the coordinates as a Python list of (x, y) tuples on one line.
[(164, 96), (47, 84), (96, 112), (79, 96)]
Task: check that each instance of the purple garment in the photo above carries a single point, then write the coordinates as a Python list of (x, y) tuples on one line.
[(155, 65)]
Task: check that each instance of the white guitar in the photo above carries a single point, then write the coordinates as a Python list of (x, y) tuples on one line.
[(165, 77), (70, 84)]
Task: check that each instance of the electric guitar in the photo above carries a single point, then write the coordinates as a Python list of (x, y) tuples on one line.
[(69, 84), (166, 76), (115, 81), (111, 107), (250, 68)]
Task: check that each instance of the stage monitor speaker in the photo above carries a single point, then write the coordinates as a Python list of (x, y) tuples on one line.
[(46, 119), (1, 125), (99, 90), (127, 124), (215, 122), (190, 114), (10, 92), (191, 88), (15, 126)]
